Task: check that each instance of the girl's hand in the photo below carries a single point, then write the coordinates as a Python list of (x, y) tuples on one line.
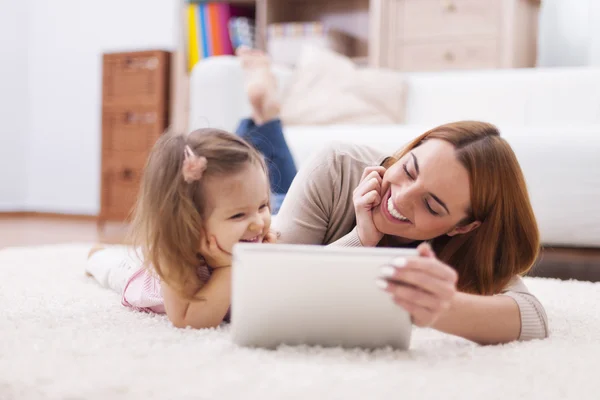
[(214, 255), (366, 197), (270, 237), (423, 286)]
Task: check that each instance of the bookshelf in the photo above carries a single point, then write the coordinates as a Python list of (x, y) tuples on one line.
[(352, 17)]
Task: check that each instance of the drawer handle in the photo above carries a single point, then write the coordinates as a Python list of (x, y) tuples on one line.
[(449, 6), (150, 118), (127, 174), (131, 117), (150, 63), (146, 118), (449, 56)]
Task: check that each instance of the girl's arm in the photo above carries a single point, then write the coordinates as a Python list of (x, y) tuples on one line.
[(207, 313)]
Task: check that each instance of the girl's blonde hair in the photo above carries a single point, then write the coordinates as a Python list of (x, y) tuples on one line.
[(508, 241), (167, 224)]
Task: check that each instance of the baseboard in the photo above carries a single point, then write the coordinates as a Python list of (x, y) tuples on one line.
[(10, 207), (47, 215), (566, 263)]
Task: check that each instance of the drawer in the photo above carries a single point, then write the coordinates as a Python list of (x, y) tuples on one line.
[(124, 166), (121, 178), (423, 19), (131, 128), (118, 199), (135, 78), (468, 54)]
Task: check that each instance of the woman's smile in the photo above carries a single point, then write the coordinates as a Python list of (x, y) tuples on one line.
[(391, 213)]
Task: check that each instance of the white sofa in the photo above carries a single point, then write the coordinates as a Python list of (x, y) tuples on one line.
[(551, 118)]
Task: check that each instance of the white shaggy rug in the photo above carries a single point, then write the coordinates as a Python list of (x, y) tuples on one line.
[(63, 337)]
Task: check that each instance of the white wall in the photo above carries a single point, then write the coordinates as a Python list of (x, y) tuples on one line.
[(66, 42), (595, 33), (13, 103), (569, 33)]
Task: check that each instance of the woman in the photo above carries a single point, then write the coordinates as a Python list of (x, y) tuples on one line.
[(458, 186)]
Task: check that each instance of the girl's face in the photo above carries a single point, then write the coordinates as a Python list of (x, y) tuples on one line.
[(425, 194), (238, 207)]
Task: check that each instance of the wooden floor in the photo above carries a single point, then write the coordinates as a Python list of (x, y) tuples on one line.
[(31, 230)]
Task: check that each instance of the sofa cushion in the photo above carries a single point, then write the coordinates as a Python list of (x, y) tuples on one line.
[(526, 97), (328, 88)]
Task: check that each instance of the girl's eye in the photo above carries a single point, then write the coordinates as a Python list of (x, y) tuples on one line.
[(263, 206), (430, 209), (237, 216), (408, 173)]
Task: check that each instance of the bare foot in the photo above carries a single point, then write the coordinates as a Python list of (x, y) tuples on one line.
[(261, 84)]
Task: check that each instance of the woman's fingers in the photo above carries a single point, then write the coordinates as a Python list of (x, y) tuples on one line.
[(424, 286), (425, 250), (423, 281), (369, 200), (416, 296), (370, 183), (369, 170), (421, 316), (423, 306), (428, 265)]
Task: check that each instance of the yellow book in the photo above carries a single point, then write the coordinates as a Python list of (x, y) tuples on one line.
[(194, 55)]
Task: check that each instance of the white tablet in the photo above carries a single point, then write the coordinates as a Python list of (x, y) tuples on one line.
[(314, 295)]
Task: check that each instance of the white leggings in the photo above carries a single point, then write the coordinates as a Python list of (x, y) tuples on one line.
[(113, 266)]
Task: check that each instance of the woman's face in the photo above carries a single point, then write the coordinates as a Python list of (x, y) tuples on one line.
[(425, 194)]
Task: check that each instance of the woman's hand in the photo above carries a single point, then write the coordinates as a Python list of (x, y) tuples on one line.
[(214, 255), (366, 197), (423, 286)]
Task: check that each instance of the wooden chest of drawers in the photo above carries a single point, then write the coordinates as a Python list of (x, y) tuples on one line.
[(135, 104), (426, 35)]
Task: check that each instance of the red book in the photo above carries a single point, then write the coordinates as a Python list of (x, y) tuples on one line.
[(224, 17), (214, 28)]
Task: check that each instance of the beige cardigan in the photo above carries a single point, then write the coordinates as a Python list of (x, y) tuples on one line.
[(319, 210)]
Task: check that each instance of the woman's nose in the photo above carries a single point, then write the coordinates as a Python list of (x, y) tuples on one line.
[(406, 195)]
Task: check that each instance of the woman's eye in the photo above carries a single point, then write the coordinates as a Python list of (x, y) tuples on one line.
[(431, 211), (237, 216), (408, 173)]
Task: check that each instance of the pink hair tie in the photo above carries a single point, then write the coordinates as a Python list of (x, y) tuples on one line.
[(193, 166)]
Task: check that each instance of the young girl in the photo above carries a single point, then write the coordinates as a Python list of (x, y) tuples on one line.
[(200, 195)]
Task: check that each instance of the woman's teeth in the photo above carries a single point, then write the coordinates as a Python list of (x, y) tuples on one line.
[(395, 213)]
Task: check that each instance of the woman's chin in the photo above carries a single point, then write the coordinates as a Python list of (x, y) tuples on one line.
[(383, 225)]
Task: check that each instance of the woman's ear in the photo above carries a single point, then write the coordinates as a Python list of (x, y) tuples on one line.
[(462, 229)]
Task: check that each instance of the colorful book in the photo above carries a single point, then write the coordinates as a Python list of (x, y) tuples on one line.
[(204, 31), (224, 17), (193, 48), (214, 28), (217, 28)]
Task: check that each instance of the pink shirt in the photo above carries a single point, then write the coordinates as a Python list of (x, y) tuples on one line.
[(143, 291)]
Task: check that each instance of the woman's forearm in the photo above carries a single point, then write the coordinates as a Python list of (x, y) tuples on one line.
[(482, 319)]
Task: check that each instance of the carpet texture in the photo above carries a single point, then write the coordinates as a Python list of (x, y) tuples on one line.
[(64, 337)]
